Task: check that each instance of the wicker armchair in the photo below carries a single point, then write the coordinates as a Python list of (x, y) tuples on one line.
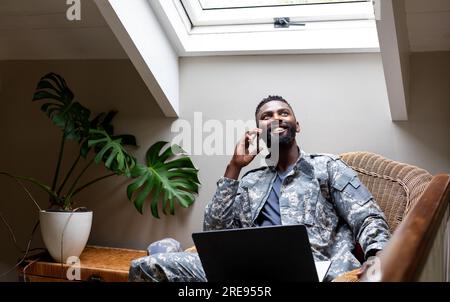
[(395, 186), (416, 206)]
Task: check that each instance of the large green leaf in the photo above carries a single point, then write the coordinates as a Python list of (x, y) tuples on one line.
[(168, 176), (70, 116), (103, 121), (111, 151)]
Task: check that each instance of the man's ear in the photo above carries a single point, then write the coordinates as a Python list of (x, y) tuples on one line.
[(297, 129)]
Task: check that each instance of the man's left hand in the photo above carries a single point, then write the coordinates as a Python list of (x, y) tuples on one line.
[(370, 270)]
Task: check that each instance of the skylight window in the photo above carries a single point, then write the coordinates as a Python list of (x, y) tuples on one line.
[(214, 27)]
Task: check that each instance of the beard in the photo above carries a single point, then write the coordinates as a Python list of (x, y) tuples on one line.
[(283, 140)]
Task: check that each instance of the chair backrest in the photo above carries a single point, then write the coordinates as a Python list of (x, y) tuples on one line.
[(395, 186)]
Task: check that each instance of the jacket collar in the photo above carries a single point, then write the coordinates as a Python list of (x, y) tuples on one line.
[(302, 165)]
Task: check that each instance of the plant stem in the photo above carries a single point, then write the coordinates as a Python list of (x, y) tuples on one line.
[(91, 182), (11, 233), (69, 173), (71, 190), (18, 178), (58, 166)]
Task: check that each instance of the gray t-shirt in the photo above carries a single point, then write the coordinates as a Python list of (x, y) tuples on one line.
[(270, 213)]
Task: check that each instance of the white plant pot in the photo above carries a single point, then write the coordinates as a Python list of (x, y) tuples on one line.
[(65, 234)]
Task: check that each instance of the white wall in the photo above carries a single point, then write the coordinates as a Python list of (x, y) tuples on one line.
[(340, 101)]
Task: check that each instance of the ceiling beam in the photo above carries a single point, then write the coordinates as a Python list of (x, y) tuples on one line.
[(394, 46), (146, 44)]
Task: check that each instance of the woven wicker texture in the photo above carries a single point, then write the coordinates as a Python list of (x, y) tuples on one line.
[(395, 186)]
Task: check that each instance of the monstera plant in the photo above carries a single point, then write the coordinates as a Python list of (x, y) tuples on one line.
[(167, 174), (92, 135), (166, 178)]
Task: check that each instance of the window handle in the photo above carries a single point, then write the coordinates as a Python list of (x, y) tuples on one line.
[(285, 22)]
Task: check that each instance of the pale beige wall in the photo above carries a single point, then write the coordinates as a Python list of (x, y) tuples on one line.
[(340, 101)]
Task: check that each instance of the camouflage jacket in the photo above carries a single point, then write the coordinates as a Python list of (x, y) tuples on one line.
[(322, 193)]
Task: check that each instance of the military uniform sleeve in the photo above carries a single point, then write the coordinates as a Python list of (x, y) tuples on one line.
[(356, 205), (220, 212)]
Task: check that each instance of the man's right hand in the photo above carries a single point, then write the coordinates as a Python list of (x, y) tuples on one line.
[(243, 155)]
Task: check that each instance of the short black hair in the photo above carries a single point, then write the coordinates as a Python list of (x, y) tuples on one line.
[(268, 99)]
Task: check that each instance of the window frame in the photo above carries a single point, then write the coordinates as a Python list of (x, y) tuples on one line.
[(352, 36), (200, 17)]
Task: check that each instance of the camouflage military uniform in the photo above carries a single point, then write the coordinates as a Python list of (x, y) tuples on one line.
[(321, 192)]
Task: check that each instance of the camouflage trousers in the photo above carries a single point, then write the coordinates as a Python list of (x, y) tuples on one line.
[(167, 262)]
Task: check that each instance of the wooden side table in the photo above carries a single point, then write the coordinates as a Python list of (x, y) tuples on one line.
[(96, 264)]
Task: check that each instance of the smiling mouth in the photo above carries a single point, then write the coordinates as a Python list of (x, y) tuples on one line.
[(279, 130)]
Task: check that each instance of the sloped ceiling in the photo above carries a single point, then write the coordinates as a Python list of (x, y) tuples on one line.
[(428, 24), (38, 30)]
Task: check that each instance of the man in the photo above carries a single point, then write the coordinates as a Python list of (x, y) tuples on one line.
[(317, 190)]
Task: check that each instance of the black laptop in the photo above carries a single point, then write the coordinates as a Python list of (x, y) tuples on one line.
[(275, 254)]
